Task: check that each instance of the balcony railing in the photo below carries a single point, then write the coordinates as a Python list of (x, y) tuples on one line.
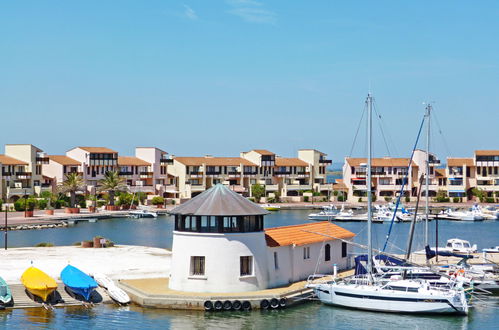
[(6, 173), (125, 173), (166, 161), (282, 172), (213, 172), (42, 160), (325, 161), (250, 172), (146, 174), (23, 175), (234, 173)]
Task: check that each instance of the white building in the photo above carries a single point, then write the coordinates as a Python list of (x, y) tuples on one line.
[(220, 245)]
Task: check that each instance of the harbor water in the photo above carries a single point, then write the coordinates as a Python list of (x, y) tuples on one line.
[(310, 315)]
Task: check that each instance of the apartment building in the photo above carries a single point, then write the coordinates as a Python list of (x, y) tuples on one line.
[(420, 158), (317, 163), (22, 171), (95, 162), (487, 171), (57, 167), (460, 175), (196, 174), (388, 176), (164, 184)]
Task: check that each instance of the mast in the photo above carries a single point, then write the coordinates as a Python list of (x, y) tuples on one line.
[(369, 193), (427, 183)]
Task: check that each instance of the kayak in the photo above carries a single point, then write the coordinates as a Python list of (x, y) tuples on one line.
[(5, 294), (103, 280), (38, 283), (118, 295), (78, 282)]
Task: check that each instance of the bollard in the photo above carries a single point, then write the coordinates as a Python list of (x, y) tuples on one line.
[(335, 270)]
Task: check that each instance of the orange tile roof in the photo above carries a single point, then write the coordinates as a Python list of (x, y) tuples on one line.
[(339, 185), (387, 161), (6, 160), (100, 150), (63, 160), (280, 161), (440, 171), (132, 161), (214, 161), (487, 152), (263, 152), (460, 162), (305, 234)]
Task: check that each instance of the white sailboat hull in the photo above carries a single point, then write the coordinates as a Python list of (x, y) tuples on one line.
[(372, 299)]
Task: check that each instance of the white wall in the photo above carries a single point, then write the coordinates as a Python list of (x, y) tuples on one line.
[(222, 255)]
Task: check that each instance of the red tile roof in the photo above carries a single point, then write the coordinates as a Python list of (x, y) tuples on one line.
[(131, 161), (6, 160), (63, 160), (263, 152), (305, 234), (460, 162), (214, 161), (487, 152), (387, 161), (280, 161)]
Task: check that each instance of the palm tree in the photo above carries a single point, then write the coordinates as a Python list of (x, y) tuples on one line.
[(112, 183), (72, 184)]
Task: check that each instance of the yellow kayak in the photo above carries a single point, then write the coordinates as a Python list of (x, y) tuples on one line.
[(38, 283)]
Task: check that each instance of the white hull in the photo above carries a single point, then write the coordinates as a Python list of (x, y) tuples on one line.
[(118, 295), (368, 298)]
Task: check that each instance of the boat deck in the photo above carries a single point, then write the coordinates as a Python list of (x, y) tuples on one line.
[(23, 300), (155, 293)]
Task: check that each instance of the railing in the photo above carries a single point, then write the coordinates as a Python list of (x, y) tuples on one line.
[(234, 173), (325, 161), (126, 173), (213, 172), (6, 173), (271, 187), (195, 173), (282, 172), (250, 172), (166, 161), (146, 174), (46, 185), (42, 160), (298, 187)]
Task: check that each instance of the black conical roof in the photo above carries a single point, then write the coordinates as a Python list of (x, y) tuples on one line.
[(219, 200)]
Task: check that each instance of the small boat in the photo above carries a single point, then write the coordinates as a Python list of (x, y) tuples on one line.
[(118, 295), (458, 245), (142, 214), (270, 207), (102, 280), (494, 249), (5, 294), (473, 214), (38, 283), (78, 282)]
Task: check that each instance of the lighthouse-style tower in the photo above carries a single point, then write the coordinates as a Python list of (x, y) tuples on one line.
[(219, 244)]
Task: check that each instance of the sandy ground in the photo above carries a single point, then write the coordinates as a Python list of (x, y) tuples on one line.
[(121, 262)]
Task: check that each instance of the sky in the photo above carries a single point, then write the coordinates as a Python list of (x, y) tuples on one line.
[(223, 76)]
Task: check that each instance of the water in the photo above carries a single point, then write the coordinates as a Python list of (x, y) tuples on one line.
[(158, 233)]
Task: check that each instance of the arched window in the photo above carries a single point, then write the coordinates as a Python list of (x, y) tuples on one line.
[(327, 252)]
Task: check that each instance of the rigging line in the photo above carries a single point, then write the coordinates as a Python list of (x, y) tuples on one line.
[(406, 180), (380, 123), (447, 149), (358, 128)]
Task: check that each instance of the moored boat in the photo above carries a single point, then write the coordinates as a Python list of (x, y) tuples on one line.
[(38, 283), (5, 294), (102, 280), (271, 207), (118, 295), (78, 282), (142, 214)]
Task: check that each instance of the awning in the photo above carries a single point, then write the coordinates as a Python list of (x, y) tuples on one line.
[(453, 179), (457, 191)]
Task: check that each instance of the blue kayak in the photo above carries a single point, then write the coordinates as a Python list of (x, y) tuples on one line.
[(78, 282)]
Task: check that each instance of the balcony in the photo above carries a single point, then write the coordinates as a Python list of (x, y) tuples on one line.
[(46, 185), (325, 186), (129, 173), (19, 191), (42, 160), (271, 187), (282, 173), (233, 173), (250, 172), (325, 161), (298, 187), (213, 172), (166, 161), (23, 175), (197, 187), (145, 175), (144, 188)]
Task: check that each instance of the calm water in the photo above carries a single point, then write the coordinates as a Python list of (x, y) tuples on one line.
[(307, 316)]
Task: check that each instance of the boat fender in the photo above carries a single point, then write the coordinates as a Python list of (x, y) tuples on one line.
[(208, 305), (282, 302), (274, 303), (264, 304), (227, 305), (218, 305), (246, 305), (236, 305)]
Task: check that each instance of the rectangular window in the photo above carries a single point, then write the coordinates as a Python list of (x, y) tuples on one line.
[(343, 249), (306, 252), (197, 265), (276, 261), (246, 265)]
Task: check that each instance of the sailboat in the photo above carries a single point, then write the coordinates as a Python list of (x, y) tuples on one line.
[(396, 293)]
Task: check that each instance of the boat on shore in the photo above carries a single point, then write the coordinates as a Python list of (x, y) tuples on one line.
[(38, 283), (5, 294), (116, 293), (77, 282)]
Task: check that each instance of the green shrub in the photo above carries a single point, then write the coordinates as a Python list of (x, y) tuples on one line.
[(109, 243), (23, 204), (42, 204), (305, 199), (341, 198), (456, 199), (173, 202), (46, 194), (360, 199), (374, 198), (44, 244), (158, 200), (388, 199), (407, 199), (82, 203), (1, 202), (59, 203), (489, 200), (101, 203), (335, 193), (77, 243), (19, 204)]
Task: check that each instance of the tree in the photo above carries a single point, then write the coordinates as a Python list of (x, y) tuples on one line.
[(72, 183), (257, 191), (478, 193), (112, 182)]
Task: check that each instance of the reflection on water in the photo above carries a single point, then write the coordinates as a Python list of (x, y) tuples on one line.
[(311, 315)]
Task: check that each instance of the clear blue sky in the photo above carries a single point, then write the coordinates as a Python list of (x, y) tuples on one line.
[(220, 77)]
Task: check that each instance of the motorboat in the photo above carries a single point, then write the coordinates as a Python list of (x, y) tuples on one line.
[(5, 294), (77, 282), (38, 283), (326, 214), (473, 214), (494, 249), (142, 214), (459, 245), (271, 207)]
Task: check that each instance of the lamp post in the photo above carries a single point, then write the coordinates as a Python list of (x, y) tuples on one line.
[(5, 232), (25, 203)]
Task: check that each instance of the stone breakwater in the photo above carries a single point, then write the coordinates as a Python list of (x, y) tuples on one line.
[(41, 226)]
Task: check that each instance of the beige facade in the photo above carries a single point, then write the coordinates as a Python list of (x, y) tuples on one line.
[(58, 166), (163, 183)]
